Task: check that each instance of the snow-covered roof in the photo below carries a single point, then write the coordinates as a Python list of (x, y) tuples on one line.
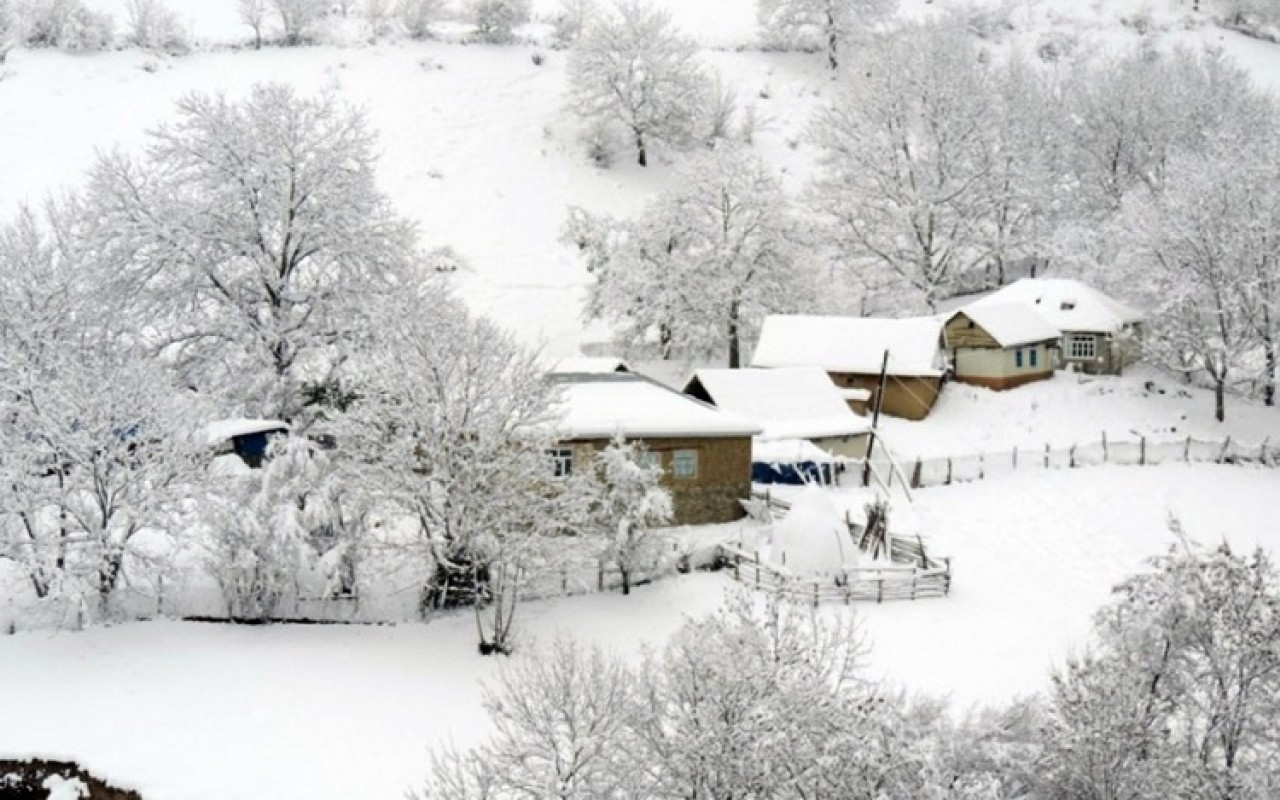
[(1010, 324), (225, 429), (789, 402), (787, 451), (852, 344), (589, 365), (600, 405), (1066, 304)]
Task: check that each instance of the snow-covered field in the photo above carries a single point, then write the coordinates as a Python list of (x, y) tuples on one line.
[(185, 711)]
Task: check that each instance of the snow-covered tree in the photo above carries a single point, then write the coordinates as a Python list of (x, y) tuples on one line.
[(298, 18), (904, 164), (154, 26), (377, 15), (827, 25), (572, 19), (561, 717), (417, 16), (1180, 696), (254, 14), (65, 24), (496, 20), (451, 420), (634, 71), (1202, 247), (705, 262), (95, 447), (249, 241), (294, 526), (626, 505)]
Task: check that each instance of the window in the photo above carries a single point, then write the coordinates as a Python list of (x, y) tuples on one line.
[(561, 461), (649, 459), (1082, 347), (684, 463), (1017, 358), (1033, 356)]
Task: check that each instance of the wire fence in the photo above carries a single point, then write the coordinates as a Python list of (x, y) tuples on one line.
[(1143, 451)]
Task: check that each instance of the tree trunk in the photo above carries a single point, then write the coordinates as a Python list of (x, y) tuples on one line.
[(1269, 346), (626, 579), (735, 345), (1219, 399), (642, 157), (833, 41)]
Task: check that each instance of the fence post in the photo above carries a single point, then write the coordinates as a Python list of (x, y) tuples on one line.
[(1226, 446), (982, 466), (1015, 458), (1262, 452), (946, 586), (815, 594), (1104, 445), (1046, 455), (737, 566), (600, 577), (880, 590), (913, 586), (564, 580), (1142, 451), (1186, 451), (1071, 455), (948, 470), (916, 474)]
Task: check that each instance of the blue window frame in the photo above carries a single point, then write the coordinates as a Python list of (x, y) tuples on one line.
[(1032, 354), (1017, 357)]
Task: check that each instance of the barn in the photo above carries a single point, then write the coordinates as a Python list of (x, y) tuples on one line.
[(851, 350)]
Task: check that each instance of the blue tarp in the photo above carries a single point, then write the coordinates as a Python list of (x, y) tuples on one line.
[(792, 474)]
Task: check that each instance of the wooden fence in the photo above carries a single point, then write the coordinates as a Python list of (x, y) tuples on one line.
[(1143, 451), (914, 573)]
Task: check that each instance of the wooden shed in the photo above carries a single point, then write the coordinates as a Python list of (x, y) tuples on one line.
[(851, 351), (704, 453), (1001, 346)]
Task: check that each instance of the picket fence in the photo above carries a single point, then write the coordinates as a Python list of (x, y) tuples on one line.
[(1143, 451)]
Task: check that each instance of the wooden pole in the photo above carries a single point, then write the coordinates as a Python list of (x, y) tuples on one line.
[(1104, 446), (875, 419), (1142, 451)]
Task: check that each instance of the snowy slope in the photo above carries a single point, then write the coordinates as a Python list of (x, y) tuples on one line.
[(475, 144)]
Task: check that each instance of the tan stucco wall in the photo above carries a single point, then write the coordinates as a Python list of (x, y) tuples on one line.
[(906, 397), (998, 368)]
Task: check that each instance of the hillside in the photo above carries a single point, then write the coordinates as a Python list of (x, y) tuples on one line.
[(476, 146)]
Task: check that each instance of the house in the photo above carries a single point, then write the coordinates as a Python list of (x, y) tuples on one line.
[(851, 351), (1000, 345), (247, 438), (1100, 335), (789, 403), (705, 453)]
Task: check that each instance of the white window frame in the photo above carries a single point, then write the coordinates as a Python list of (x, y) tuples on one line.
[(649, 459), (561, 461), (684, 464), (1082, 347)]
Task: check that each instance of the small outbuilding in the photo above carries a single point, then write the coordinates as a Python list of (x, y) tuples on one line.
[(789, 403), (1001, 345), (246, 438), (1100, 335), (851, 351), (704, 453)]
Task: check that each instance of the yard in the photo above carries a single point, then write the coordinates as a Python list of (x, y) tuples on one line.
[(187, 711)]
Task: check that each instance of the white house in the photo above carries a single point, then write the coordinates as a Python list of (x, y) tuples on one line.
[(1100, 335)]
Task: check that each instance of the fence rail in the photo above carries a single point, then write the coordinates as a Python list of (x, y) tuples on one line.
[(1144, 451)]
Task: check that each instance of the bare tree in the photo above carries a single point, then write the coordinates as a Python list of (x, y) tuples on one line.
[(495, 21), (827, 25), (417, 16), (254, 14), (298, 18), (153, 25)]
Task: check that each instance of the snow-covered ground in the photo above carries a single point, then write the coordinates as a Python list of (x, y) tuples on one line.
[(186, 711), (1073, 409)]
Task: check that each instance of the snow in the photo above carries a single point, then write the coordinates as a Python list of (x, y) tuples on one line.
[(61, 788), (790, 403), (787, 451), (1070, 409), (600, 406), (1066, 304), (851, 344), (589, 365), (811, 539), (1010, 324), (335, 712), (225, 429)]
